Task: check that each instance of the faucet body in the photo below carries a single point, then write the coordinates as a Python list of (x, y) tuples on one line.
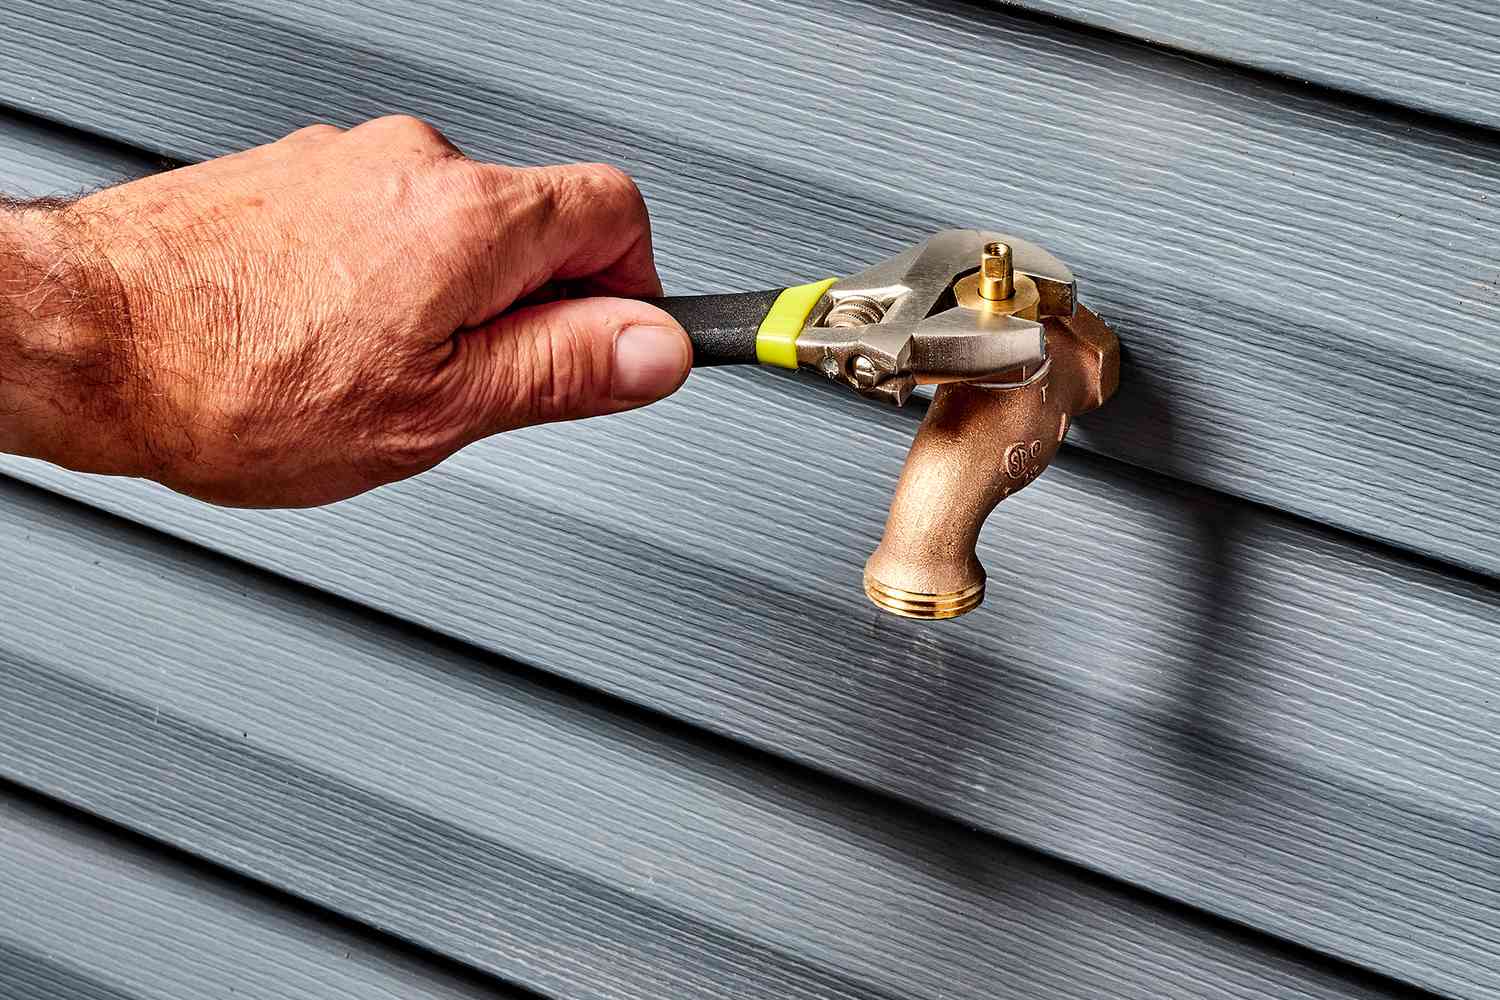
[(977, 445)]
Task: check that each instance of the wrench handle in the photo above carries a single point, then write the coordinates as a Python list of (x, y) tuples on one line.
[(723, 328)]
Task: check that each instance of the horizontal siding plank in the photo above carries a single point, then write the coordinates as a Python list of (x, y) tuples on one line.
[(1437, 56), (88, 914), (25, 975), (1308, 292), (581, 849)]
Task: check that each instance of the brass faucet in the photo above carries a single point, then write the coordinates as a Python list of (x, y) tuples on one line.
[(978, 444), (994, 323)]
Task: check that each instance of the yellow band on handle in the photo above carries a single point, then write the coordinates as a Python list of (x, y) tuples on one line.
[(776, 340)]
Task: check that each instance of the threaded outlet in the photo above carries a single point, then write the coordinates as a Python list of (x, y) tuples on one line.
[(924, 606)]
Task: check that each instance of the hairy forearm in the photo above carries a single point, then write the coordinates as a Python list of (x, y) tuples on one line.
[(61, 342), (310, 319)]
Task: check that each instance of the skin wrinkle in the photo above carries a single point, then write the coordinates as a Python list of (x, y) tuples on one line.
[(303, 321)]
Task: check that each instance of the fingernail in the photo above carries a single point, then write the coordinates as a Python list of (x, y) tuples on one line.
[(648, 364)]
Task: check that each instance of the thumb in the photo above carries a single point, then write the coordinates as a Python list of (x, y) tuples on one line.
[(573, 358)]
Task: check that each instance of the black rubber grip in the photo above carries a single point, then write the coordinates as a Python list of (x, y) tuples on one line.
[(721, 327)]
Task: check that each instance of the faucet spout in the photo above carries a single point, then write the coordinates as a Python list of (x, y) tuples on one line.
[(977, 445)]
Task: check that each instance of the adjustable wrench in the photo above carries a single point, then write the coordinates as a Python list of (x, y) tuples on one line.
[(920, 317)]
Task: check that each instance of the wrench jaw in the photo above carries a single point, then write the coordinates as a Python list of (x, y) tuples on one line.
[(918, 318), (974, 345)]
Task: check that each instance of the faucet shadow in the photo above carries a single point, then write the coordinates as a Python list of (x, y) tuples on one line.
[(1010, 712), (1214, 533)]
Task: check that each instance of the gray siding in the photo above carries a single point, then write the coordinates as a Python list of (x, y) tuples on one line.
[(598, 709), (1436, 56), (530, 830), (90, 914), (38, 158), (1247, 683)]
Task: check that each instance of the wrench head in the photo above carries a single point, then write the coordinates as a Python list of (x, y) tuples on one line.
[(898, 323)]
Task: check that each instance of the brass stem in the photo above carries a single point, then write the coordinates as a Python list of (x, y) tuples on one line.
[(997, 280)]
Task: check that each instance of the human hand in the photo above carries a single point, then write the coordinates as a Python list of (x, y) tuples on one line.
[(303, 321)]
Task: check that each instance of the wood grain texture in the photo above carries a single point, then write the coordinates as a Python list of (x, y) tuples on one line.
[(1437, 56), (568, 845), (1307, 291), (90, 915)]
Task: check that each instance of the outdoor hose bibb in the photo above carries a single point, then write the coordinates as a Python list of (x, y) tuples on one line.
[(993, 322)]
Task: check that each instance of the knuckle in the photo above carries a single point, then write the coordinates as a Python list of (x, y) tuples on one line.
[(610, 178), (314, 131), (399, 123), (421, 135), (610, 184)]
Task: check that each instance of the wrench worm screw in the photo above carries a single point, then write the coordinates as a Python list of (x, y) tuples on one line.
[(857, 310)]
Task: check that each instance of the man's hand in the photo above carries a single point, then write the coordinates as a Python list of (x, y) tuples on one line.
[(304, 321)]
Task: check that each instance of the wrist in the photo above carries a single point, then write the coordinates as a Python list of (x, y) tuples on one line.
[(64, 344)]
